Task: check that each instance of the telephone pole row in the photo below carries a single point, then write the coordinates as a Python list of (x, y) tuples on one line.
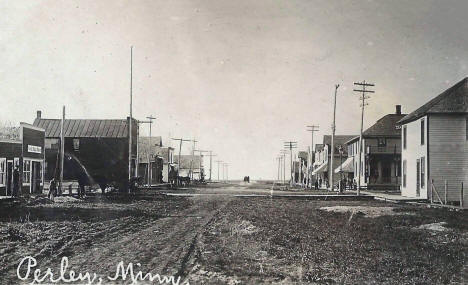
[(312, 129), (363, 98), (291, 145)]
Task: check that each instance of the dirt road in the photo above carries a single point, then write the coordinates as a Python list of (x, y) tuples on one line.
[(160, 234), (213, 236)]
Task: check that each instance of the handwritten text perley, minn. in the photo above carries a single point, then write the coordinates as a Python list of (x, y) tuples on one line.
[(27, 271)]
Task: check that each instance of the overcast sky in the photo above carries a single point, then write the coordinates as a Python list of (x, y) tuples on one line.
[(239, 76)]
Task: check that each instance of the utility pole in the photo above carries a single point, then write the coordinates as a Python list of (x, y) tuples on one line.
[(279, 163), (283, 152), (363, 98), (130, 122), (340, 148), (180, 150), (333, 139), (201, 152), (191, 160), (218, 161), (62, 149), (211, 161), (227, 174), (147, 149), (150, 169), (312, 129), (291, 145), (224, 165)]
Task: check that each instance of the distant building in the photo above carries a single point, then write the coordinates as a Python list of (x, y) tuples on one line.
[(26, 153), (301, 169), (98, 149), (381, 155), (167, 155), (435, 146), (150, 164), (323, 158), (190, 163)]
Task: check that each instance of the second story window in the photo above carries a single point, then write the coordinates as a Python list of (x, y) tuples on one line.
[(422, 132), (381, 142), (76, 144)]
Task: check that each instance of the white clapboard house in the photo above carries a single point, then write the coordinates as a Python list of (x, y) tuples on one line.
[(435, 147)]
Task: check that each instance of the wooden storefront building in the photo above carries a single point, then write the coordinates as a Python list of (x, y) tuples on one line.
[(27, 155), (98, 149)]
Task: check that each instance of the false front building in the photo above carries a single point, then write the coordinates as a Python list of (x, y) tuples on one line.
[(150, 165), (190, 166), (26, 153)]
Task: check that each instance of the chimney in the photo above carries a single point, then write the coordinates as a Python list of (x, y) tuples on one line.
[(39, 113), (398, 109)]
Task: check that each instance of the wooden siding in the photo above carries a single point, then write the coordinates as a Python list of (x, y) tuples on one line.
[(413, 152), (448, 154), (35, 138), (9, 150)]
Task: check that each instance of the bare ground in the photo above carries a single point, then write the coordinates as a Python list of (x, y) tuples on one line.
[(222, 239)]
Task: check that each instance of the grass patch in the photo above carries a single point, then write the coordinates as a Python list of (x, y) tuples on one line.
[(295, 242)]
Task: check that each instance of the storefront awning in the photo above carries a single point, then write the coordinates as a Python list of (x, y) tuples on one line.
[(346, 166), (321, 168)]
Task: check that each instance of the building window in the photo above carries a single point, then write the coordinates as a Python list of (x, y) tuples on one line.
[(76, 144), (404, 137), (422, 132), (27, 171), (404, 173), (381, 142), (423, 171), (2, 171)]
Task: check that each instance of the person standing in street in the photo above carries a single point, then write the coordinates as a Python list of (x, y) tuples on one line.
[(16, 182), (52, 189), (81, 185)]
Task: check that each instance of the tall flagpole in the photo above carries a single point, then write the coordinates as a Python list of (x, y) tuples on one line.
[(130, 122), (62, 150)]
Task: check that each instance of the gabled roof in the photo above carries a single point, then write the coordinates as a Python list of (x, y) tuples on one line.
[(186, 159), (146, 150), (79, 128), (385, 127), (155, 141), (452, 100), (303, 154), (338, 140), (318, 147)]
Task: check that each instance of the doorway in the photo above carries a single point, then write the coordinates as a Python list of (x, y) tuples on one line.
[(36, 177), (9, 180)]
